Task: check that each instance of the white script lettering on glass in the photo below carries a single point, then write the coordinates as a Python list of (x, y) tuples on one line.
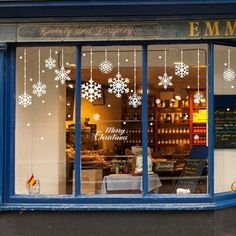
[(111, 133)]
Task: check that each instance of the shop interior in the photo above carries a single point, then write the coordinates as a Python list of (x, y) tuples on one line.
[(111, 126), (111, 120)]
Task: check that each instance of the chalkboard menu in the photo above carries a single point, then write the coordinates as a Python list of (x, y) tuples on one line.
[(191, 174), (225, 128)]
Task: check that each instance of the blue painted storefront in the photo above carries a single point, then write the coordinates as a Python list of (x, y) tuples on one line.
[(206, 209)]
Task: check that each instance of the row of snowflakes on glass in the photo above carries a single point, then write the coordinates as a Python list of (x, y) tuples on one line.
[(118, 85), (39, 89)]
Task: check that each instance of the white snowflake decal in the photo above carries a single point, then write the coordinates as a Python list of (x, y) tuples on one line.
[(158, 101), (229, 74), (135, 100), (25, 100), (118, 85), (106, 66), (62, 75), (165, 80), (197, 97), (50, 63), (96, 117), (39, 89), (91, 90), (181, 70)]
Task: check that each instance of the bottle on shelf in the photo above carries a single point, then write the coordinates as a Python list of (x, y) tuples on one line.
[(152, 117)]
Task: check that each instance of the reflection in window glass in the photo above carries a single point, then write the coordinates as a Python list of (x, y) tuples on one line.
[(225, 118), (44, 128), (177, 119), (111, 135)]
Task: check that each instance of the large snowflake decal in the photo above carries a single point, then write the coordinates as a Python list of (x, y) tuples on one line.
[(25, 100), (135, 100), (165, 80), (62, 74), (105, 66), (50, 63), (96, 117), (229, 74), (39, 89), (181, 70), (91, 90), (118, 85)]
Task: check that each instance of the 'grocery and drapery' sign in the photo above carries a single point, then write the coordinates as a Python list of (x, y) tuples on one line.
[(80, 31)]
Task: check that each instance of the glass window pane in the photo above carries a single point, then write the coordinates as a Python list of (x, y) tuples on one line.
[(177, 99), (111, 126), (45, 117), (225, 118)]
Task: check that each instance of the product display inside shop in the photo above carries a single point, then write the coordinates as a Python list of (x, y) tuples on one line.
[(111, 131)]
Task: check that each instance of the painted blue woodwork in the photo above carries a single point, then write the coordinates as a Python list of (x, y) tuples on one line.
[(115, 9), (9, 126), (145, 118), (3, 48), (78, 121), (211, 125), (99, 202)]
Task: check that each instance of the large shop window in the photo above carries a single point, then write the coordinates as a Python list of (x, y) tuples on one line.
[(45, 110), (177, 117), (225, 119), (110, 139)]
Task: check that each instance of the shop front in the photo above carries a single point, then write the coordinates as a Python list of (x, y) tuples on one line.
[(118, 119)]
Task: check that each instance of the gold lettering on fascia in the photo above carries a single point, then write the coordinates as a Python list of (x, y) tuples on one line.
[(230, 28), (193, 29), (75, 31), (212, 28)]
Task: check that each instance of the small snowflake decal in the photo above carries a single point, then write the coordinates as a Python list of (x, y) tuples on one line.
[(50, 63), (158, 101), (25, 100), (91, 90), (181, 70), (197, 97), (229, 74), (62, 75), (118, 85), (165, 80), (135, 100), (96, 117), (106, 66), (39, 89)]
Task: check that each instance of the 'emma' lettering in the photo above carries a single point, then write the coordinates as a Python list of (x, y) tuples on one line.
[(212, 28)]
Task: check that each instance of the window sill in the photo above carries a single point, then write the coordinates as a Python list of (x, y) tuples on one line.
[(121, 207)]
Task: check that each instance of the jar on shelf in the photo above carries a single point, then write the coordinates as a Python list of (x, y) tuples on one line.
[(135, 116), (127, 116), (162, 118), (168, 118), (186, 101)]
